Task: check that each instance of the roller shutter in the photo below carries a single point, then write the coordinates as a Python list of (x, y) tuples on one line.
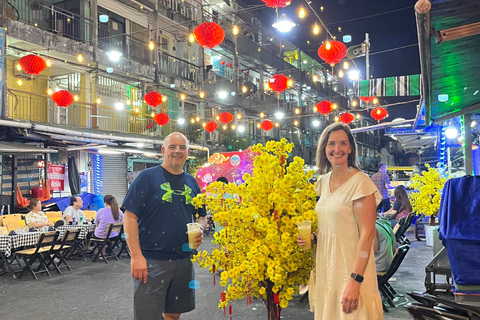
[(114, 176)]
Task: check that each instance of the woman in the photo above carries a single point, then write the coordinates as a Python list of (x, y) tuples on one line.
[(110, 214), (401, 207), (345, 279), (36, 218)]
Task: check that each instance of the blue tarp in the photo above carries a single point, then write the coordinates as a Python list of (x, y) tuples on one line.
[(64, 202), (459, 230)]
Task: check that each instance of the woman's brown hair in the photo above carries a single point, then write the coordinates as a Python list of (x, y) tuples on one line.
[(401, 194), (323, 164), (112, 202), (33, 203)]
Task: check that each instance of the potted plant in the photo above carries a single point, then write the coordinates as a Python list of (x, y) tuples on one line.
[(257, 251), (426, 199)]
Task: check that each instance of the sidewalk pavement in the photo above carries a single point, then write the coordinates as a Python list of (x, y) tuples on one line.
[(105, 291)]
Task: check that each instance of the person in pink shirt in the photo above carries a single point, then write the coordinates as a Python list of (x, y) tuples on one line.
[(110, 214)]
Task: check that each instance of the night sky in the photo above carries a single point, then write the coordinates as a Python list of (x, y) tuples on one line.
[(390, 25)]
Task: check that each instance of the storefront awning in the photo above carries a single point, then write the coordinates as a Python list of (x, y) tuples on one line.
[(7, 147)]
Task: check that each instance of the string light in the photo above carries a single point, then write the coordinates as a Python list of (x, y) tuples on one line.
[(19, 67), (354, 103), (192, 120), (336, 118), (233, 127), (321, 9), (262, 115), (375, 101), (290, 82), (99, 101), (191, 38), (346, 65), (49, 63), (316, 29), (75, 97), (80, 58), (151, 45), (19, 82), (137, 109), (202, 94), (235, 30), (339, 29), (358, 116), (277, 124), (128, 102), (197, 118), (49, 91), (244, 89), (182, 96), (335, 106), (302, 13), (297, 111), (239, 116), (164, 98), (295, 123), (225, 127), (258, 125), (152, 114), (341, 74), (315, 78)]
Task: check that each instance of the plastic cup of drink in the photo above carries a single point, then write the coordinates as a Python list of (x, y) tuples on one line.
[(81, 220), (305, 230), (192, 229)]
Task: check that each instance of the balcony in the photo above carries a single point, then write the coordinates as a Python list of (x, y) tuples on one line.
[(27, 106), (45, 16), (178, 68)]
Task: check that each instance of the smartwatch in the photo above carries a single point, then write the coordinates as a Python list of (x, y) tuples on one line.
[(357, 277)]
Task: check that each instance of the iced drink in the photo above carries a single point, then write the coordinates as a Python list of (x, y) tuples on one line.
[(304, 231), (192, 229)]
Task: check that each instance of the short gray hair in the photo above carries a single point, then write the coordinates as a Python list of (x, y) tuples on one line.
[(176, 133)]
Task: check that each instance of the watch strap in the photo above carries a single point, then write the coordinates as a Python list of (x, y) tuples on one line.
[(357, 277)]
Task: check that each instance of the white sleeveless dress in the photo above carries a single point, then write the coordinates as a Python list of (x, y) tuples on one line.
[(338, 236)]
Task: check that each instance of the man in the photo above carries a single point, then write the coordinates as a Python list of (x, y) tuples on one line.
[(158, 205), (382, 181), (74, 211), (384, 247)]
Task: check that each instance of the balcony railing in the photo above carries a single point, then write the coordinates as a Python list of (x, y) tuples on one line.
[(47, 17), (177, 10), (131, 48), (23, 105), (176, 67)]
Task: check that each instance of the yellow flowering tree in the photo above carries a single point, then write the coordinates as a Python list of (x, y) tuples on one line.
[(427, 198), (257, 248)]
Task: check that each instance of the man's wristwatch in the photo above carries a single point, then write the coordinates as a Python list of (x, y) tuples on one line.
[(357, 277)]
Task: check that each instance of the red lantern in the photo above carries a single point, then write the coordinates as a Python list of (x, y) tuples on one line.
[(62, 98), (379, 113), (367, 99), (222, 63), (278, 83), (209, 34), (211, 126), (324, 107), (153, 98), (276, 3), (266, 125), (332, 52), (225, 117), (347, 117), (32, 64), (161, 119), (229, 64)]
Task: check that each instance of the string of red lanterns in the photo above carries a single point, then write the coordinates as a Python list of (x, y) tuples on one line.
[(225, 117), (62, 98), (211, 126), (153, 98), (347, 117), (332, 52), (209, 34), (32, 64), (379, 113), (266, 125), (161, 119), (324, 107), (276, 3), (367, 99), (278, 83)]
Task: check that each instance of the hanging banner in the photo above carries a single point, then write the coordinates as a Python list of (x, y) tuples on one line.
[(391, 87), (2, 67), (56, 175)]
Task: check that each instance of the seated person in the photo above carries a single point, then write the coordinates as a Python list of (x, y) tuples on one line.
[(384, 245), (74, 211), (401, 207), (110, 214), (36, 218)]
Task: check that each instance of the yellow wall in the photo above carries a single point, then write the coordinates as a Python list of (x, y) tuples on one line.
[(27, 106)]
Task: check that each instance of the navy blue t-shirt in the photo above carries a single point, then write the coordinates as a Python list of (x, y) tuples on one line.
[(162, 202)]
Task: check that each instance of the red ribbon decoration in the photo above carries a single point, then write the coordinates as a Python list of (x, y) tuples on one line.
[(276, 300), (223, 297)]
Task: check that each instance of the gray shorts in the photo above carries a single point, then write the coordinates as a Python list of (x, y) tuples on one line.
[(167, 289)]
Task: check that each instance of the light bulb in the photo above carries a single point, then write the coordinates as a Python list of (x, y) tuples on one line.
[(49, 63), (202, 94), (80, 58), (182, 96), (346, 65), (316, 29), (244, 89), (277, 124), (262, 115), (181, 121), (239, 116), (99, 101), (197, 118), (375, 101), (341, 74), (235, 30), (49, 91), (19, 67), (297, 111), (151, 45), (75, 97), (191, 38), (19, 82), (354, 103), (302, 13), (295, 123), (328, 46)]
